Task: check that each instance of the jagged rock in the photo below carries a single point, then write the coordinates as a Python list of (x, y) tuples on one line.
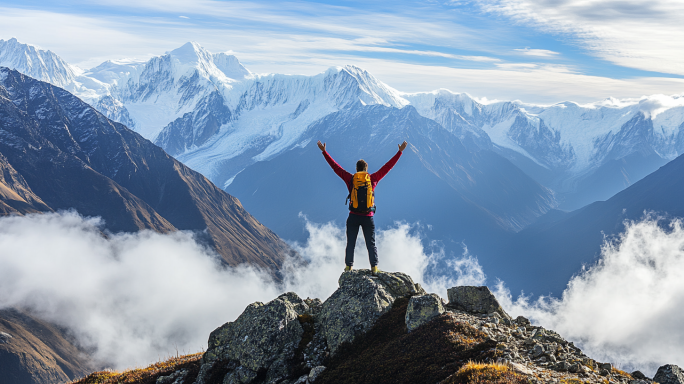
[(315, 372), (475, 299), (607, 366), (669, 374), (263, 337), (359, 301), (422, 309)]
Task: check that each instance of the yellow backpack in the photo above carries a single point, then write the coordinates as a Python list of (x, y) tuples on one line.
[(361, 198)]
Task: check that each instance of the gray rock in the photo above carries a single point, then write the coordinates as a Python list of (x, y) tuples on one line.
[(359, 301), (475, 300), (607, 366), (422, 309), (521, 320), (537, 351), (174, 378), (639, 375), (264, 335), (669, 374), (241, 375), (315, 372)]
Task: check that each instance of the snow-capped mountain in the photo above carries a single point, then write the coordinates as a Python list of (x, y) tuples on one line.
[(583, 152), (213, 114), (37, 63)]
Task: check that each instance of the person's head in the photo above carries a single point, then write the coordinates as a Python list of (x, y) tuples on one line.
[(361, 166)]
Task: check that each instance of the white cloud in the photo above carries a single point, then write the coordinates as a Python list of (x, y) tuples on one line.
[(135, 298), (647, 35), (627, 309), (537, 52)]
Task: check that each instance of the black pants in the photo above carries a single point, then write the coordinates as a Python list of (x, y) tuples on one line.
[(368, 226)]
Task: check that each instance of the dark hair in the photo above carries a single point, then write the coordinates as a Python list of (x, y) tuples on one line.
[(361, 166)]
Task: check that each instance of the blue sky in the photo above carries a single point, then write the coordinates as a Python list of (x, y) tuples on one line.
[(540, 51)]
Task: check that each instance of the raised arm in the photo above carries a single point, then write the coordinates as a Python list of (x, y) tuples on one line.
[(344, 175), (377, 176)]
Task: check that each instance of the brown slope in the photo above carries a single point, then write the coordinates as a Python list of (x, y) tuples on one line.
[(74, 157), (16, 197), (33, 351)]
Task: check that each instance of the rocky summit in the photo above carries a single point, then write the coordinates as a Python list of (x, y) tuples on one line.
[(385, 328)]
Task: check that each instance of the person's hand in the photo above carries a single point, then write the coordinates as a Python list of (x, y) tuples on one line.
[(402, 146), (321, 146)]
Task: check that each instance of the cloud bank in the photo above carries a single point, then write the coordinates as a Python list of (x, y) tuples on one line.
[(133, 299), (626, 309)]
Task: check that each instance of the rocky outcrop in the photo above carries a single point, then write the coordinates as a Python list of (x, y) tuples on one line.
[(475, 299), (361, 299), (422, 309), (669, 374), (258, 342), (386, 328), (287, 339)]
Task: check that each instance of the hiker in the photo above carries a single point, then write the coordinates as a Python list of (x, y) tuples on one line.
[(361, 188)]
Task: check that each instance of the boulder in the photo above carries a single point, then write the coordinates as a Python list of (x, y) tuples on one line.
[(475, 300), (315, 372), (669, 374), (359, 301), (262, 338), (422, 309)]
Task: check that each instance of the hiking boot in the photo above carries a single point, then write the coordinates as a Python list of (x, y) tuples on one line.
[(375, 270), (347, 268)]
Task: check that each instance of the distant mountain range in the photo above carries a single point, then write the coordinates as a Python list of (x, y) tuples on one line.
[(216, 116), (57, 152)]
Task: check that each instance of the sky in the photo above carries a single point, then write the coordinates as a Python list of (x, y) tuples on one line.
[(538, 51)]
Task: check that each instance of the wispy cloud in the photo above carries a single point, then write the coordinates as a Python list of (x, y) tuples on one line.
[(537, 52), (647, 35)]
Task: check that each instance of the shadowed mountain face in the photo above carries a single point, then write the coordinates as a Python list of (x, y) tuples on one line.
[(34, 351), (477, 198), (57, 152), (559, 244)]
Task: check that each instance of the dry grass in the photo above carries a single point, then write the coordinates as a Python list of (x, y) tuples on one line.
[(572, 381), (622, 373), (146, 375), (481, 373)]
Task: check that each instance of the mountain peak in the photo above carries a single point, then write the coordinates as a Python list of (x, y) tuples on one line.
[(35, 62), (190, 52)]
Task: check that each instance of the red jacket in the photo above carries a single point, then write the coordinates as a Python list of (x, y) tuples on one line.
[(375, 177)]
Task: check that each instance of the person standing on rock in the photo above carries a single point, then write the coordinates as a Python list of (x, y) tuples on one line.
[(361, 186)]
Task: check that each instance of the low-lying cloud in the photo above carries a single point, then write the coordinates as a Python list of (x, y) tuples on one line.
[(627, 309), (133, 299)]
